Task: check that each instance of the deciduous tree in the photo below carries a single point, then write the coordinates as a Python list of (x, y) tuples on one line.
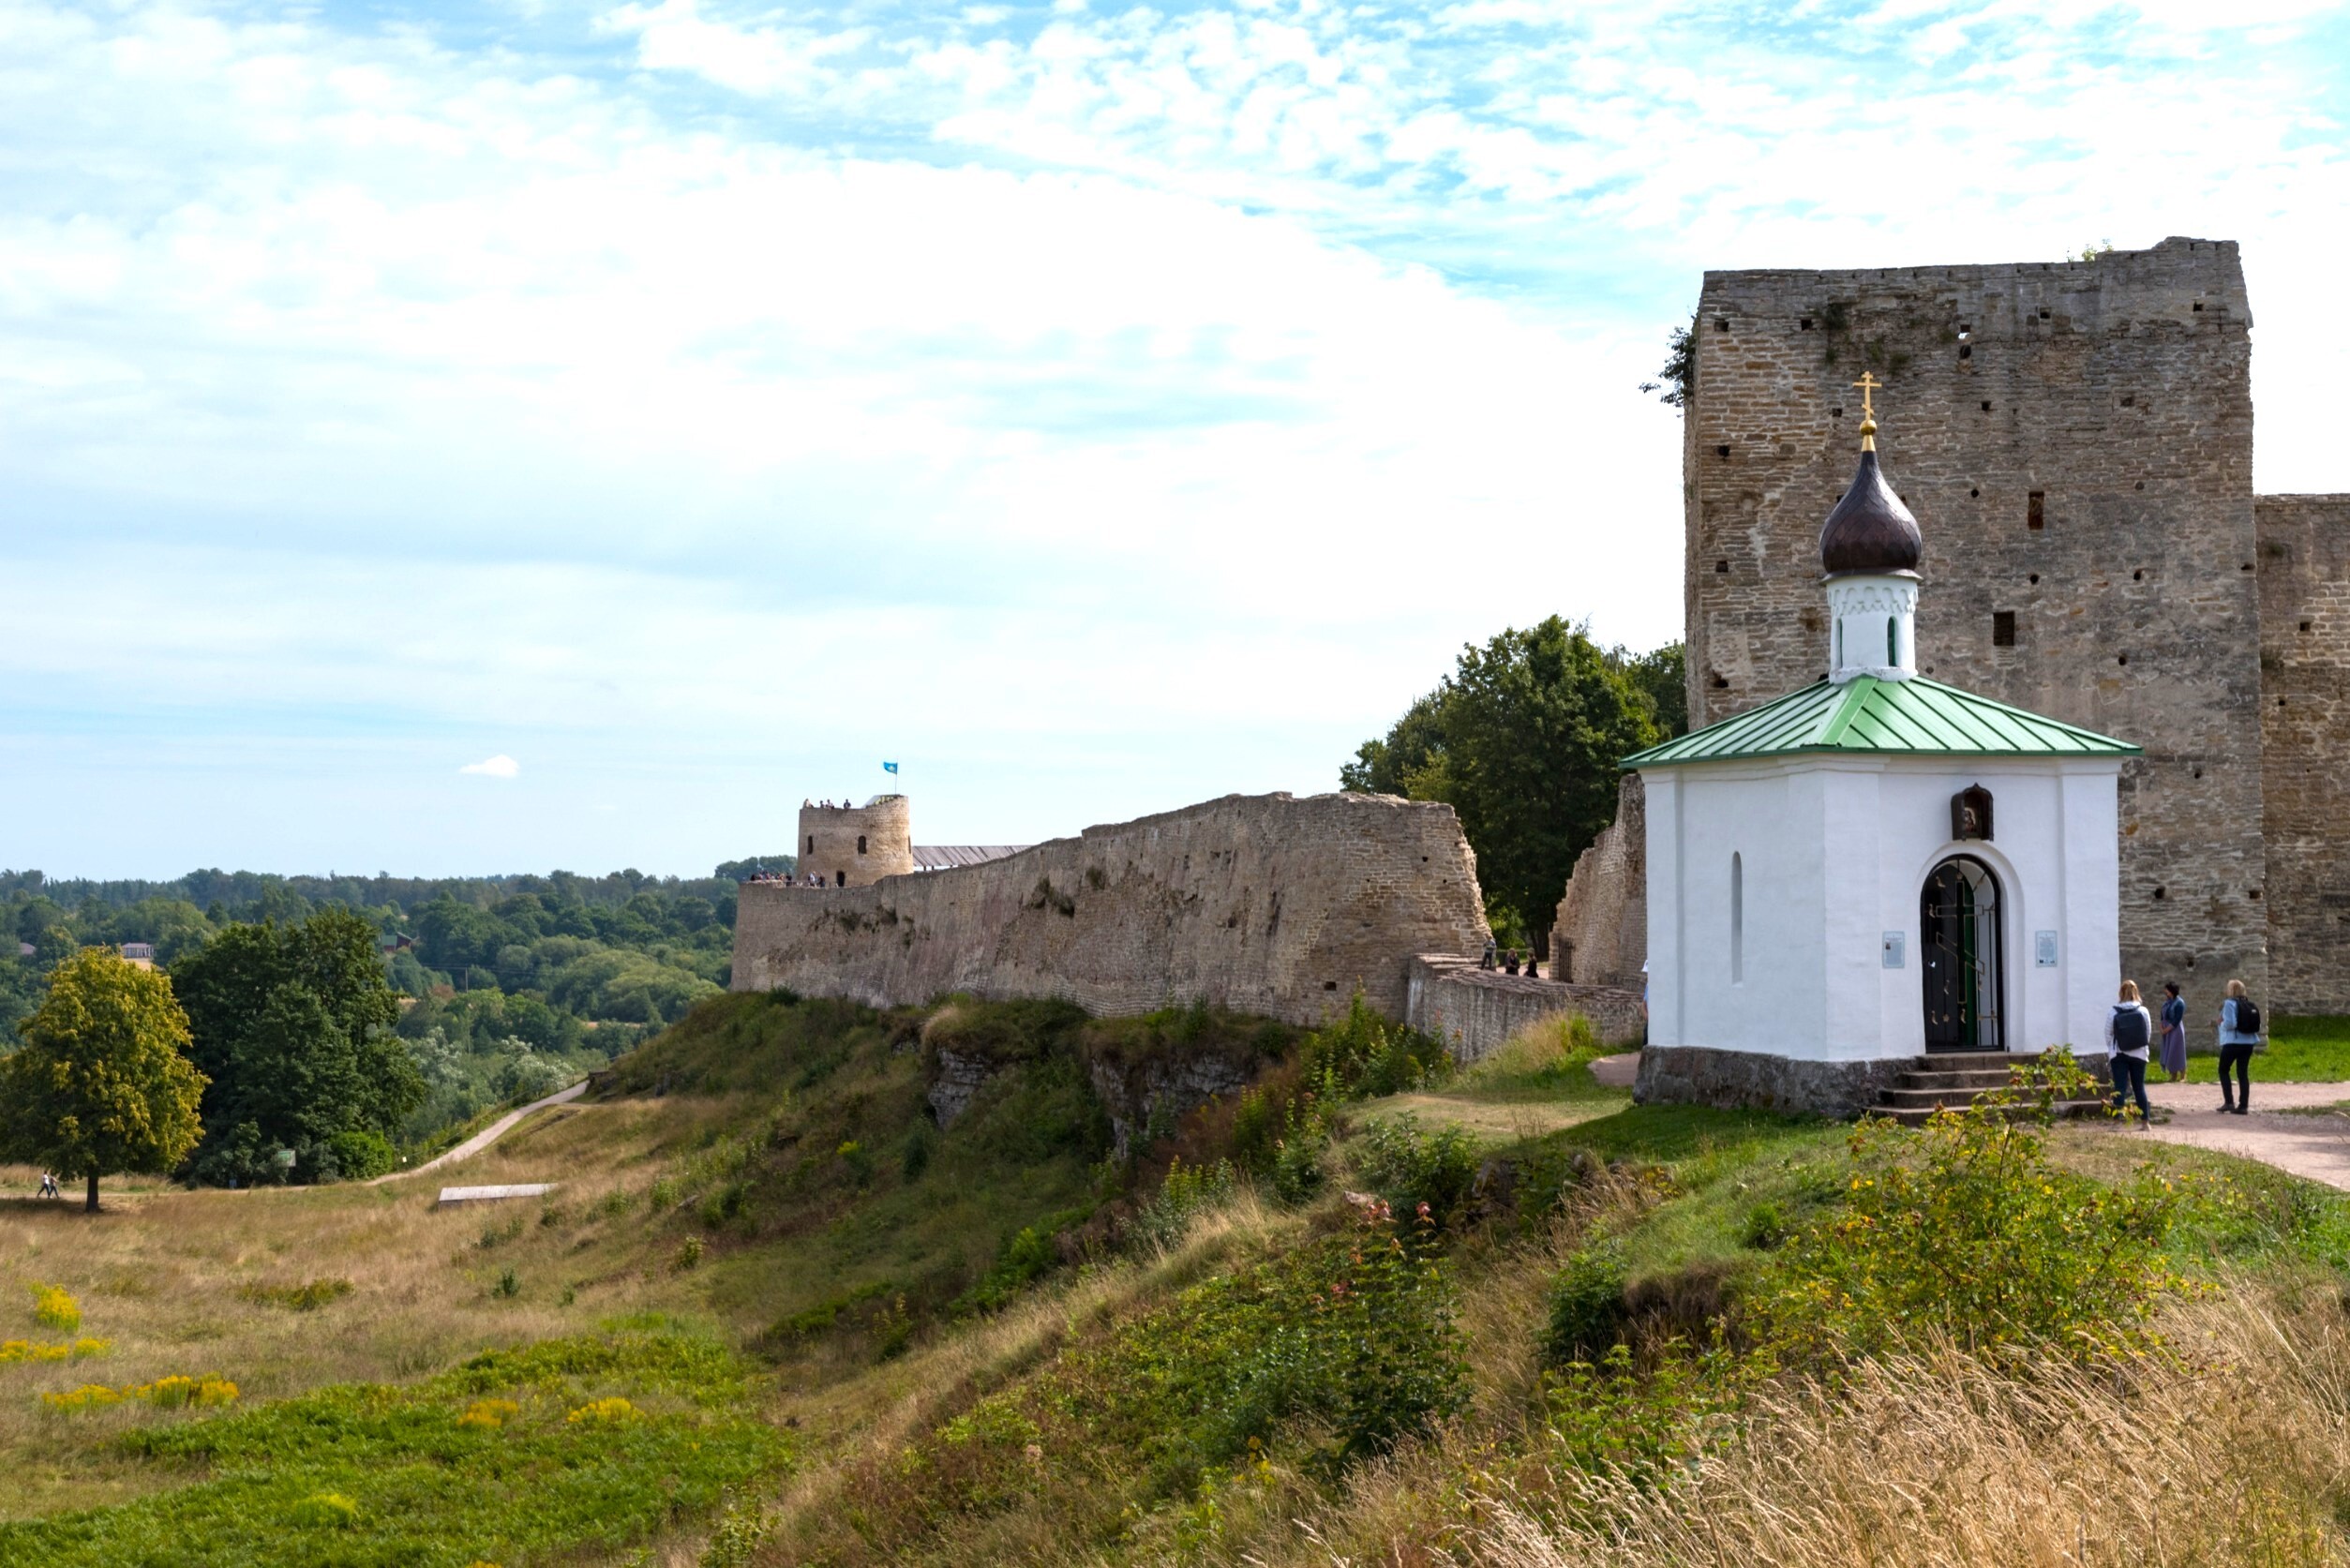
[(293, 1026), (1522, 740), (103, 1083)]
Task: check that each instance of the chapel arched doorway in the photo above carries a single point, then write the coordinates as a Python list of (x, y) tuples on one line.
[(1959, 939)]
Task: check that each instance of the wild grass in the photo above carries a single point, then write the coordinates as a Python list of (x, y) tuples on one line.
[(603, 1438), (2238, 1458)]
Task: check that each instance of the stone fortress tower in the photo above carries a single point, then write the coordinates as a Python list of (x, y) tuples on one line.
[(2078, 439), (849, 846)]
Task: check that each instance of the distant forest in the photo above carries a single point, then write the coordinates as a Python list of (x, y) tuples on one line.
[(515, 983)]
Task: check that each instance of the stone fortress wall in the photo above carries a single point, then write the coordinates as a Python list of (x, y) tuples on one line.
[(853, 846), (1600, 936), (2304, 562), (2077, 441), (1266, 903)]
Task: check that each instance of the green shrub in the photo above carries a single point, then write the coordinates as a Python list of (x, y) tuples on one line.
[(1298, 1172), (1586, 1306), (508, 1285), (1763, 1228), (1968, 1231), (1645, 1426), (361, 1155), (1188, 1190), (1027, 1255), (1364, 1055), (1415, 1170)]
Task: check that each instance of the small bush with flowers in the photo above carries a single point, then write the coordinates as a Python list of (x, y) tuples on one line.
[(610, 1412), (54, 1308), (172, 1393), (34, 1349), (1966, 1231), (488, 1415)]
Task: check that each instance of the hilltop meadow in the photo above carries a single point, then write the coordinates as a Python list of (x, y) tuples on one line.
[(1376, 1309)]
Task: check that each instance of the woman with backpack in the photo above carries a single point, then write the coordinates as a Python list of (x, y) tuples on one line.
[(2239, 1032), (2174, 1033), (2129, 1040)]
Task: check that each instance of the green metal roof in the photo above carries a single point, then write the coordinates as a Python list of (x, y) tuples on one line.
[(1866, 715)]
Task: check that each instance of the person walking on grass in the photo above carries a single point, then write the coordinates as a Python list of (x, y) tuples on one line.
[(2174, 1033), (2129, 1040), (2239, 1032)]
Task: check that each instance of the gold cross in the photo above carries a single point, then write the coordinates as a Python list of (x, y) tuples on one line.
[(1868, 383)]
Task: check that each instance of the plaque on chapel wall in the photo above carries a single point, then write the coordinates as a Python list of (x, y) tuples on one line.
[(1970, 813)]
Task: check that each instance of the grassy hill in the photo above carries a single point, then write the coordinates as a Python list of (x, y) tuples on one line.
[(1366, 1311)]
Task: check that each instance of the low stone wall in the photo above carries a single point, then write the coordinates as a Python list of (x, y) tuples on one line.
[(1474, 1010), (1758, 1081), (1264, 904)]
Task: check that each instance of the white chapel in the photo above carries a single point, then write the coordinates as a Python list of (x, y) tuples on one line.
[(1877, 867)]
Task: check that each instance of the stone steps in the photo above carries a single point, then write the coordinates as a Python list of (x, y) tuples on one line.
[(1956, 1078)]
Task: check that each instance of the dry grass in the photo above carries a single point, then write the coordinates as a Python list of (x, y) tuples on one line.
[(165, 1275), (1940, 1462)]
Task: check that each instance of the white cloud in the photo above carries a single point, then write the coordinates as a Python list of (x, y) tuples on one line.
[(499, 767), (1103, 401)]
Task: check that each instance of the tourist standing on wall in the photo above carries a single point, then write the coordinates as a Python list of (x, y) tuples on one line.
[(2129, 1039), (2174, 1033), (2239, 1031)]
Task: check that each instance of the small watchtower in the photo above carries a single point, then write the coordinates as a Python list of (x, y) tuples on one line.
[(847, 846)]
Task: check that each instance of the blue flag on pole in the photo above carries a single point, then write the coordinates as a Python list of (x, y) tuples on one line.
[(888, 767)]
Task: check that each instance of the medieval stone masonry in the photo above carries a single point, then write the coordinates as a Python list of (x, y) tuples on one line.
[(2304, 572), (1268, 904), (2077, 441)]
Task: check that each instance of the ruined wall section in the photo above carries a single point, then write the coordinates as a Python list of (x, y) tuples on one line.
[(1262, 903), (2305, 747), (1601, 934), (2109, 402)]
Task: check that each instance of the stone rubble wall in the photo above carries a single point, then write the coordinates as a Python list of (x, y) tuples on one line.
[(1475, 1010), (1758, 1081), (1268, 904), (2305, 752), (1600, 936), (2117, 388)]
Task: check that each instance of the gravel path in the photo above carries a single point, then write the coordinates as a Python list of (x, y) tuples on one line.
[(491, 1133), (2311, 1144)]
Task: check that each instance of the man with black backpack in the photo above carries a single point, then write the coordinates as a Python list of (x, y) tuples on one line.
[(2239, 1033), (2129, 1040)]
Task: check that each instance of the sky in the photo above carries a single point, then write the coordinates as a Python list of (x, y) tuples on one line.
[(449, 438)]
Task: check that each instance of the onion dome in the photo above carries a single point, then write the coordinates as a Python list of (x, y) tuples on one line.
[(1869, 531)]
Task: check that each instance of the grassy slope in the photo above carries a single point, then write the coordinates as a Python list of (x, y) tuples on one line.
[(763, 1178), (834, 1243)]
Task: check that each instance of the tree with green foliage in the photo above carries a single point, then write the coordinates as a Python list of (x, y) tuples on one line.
[(103, 1084), (294, 1024), (1522, 740), (1663, 676)]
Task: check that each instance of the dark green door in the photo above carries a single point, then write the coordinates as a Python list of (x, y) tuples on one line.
[(1959, 937)]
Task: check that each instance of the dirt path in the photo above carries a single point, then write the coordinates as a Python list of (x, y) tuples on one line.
[(2311, 1144), (491, 1133)]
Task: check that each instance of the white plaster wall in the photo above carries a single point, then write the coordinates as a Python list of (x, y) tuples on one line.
[(1835, 852)]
